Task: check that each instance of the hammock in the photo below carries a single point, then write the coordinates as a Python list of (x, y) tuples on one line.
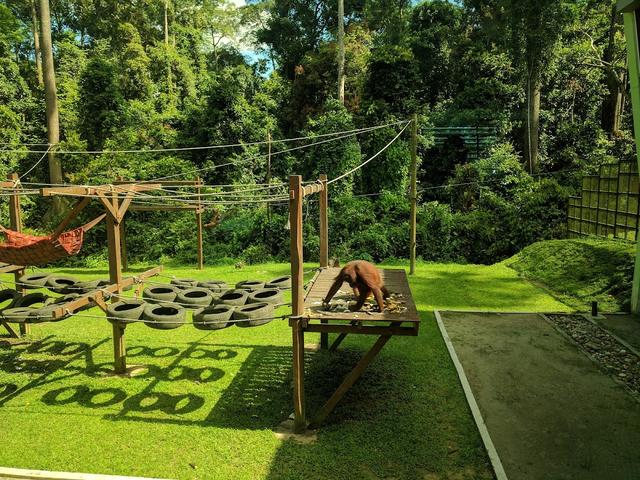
[(26, 250)]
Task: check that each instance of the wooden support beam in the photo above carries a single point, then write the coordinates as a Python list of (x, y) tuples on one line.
[(15, 222), (340, 338), (199, 223), (160, 208), (123, 243), (71, 216), (414, 194), (324, 222), (115, 277), (79, 191), (348, 382), (409, 331), (12, 332), (164, 183), (297, 298), (122, 210)]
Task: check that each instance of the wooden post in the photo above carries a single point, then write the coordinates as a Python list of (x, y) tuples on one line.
[(297, 299), (123, 241), (268, 177), (414, 195), (199, 221), (324, 242), (15, 223), (115, 276)]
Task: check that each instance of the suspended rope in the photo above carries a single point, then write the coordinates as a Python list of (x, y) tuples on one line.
[(36, 164), (369, 159), (207, 147)]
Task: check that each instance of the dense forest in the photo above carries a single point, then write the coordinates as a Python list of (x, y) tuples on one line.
[(545, 82)]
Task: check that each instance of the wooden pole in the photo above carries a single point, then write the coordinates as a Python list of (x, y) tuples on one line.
[(268, 178), (324, 222), (414, 196), (199, 221), (297, 299), (115, 276), (15, 223), (123, 241)]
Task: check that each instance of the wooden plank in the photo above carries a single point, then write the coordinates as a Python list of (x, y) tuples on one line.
[(164, 183), (28, 474), (297, 298), (324, 222), (160, 208), (311, 189), (71, 216), (348, 382), (409, 331), (10, 268)]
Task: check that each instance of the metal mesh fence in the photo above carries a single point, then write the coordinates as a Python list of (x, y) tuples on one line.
[(609, 205)]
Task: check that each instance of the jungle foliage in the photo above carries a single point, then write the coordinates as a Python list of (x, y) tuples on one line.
[(550, 81)]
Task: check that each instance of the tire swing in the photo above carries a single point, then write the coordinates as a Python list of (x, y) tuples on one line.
[(234, 297), (161, 293), (195, 297), (250, 285), (31, 281), (255, 314), (183, 283), (45, 314), (266, 295), (213, 318), (61, 284), (8, 295), (126, 311), (216, 286), (164, 316), (16, 314), (282, 283)]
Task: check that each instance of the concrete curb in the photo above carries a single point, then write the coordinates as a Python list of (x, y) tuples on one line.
[(498, 469), (20, 473)]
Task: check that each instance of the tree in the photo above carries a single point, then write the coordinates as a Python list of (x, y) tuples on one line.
[(51, 100), (340, 59), (36, 42)]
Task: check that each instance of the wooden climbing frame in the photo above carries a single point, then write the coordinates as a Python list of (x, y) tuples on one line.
[(308, 314)]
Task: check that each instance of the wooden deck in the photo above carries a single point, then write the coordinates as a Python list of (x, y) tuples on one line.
[(395, 281)]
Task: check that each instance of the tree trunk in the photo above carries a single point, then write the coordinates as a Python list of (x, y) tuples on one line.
[(36, 42), (611, 111), (51, 101), (532, 123), (166, 22), (341, 79)]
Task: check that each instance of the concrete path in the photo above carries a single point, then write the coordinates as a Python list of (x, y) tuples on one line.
[(550, 412)]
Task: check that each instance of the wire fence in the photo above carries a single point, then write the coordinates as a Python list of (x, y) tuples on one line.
[(609, 204)]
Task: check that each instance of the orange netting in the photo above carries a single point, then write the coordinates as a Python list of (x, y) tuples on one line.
[(23, 249)]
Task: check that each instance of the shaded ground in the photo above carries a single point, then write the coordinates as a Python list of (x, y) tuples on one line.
[(550, 411)]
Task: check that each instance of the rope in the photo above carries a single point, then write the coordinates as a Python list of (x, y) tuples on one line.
[(36, 164), (370, 159), (209, 147)]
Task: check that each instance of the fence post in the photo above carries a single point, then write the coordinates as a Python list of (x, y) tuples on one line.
[(297, 301), (414, 199), (15, 223), (199, 222), (324, 222)]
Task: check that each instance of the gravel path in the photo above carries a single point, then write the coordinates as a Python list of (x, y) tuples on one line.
[(600, 345)]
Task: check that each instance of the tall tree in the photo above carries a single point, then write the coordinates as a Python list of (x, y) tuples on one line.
[(36, 41), (341, 79), (51, 100)]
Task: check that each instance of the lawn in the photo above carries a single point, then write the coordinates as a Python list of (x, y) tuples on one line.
[(208, 404)]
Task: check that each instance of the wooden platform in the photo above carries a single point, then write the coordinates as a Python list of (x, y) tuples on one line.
[(404, 323)]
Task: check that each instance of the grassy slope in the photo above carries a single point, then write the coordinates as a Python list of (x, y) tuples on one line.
[(578, 271), (207, 408)]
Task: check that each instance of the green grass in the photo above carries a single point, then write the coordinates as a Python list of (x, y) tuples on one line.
[(209, 403), (578, 271)]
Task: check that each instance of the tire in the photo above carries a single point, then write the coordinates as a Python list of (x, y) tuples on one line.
[(250, 285), (195, 297), (282, 283), (126, 311), (8, 295), (164, 316), (234, 297), (218, 315), (31, 281), (32, 299), (160, 293), (85, 287), (255, 314), (216, 286), (16, 314), (184, 282), (272, 296), (61, 284), (45, 315)]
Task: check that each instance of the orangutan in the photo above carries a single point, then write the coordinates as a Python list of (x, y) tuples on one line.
[(364, 278)]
